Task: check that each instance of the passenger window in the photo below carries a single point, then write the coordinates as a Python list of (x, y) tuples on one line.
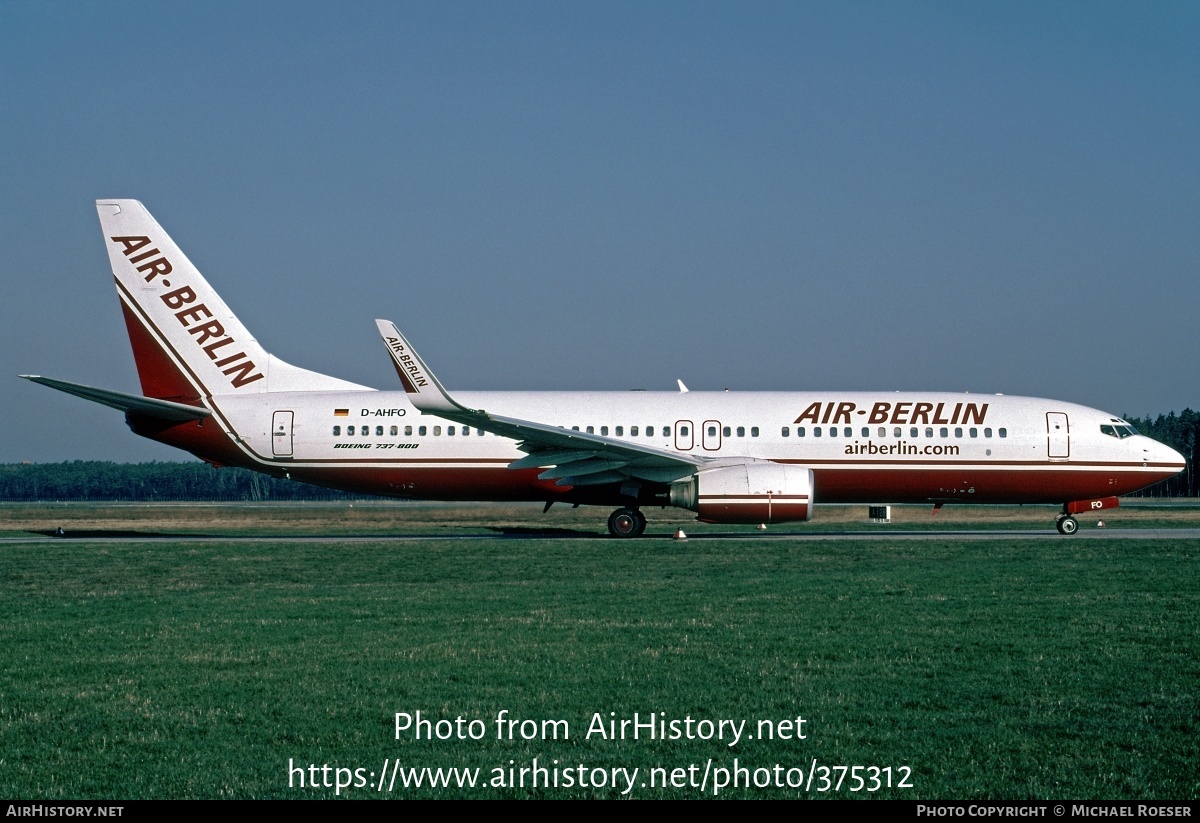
[(337, 431), (754, 431), (575, 428), (395, 431), (866, 431), (944, 432), (591, 429), (437, 431), (408, 431), (833, 431), (379, 431), (633, 431), (604, 431), (422, 430), (683, 431), (974, 432), (620, 431), (741, 431), (666, 431), (786, 433), (466, 431), (882, 431), (799, 431), (929, 432), (450, 431), (987, 432), (914, 432), (349, 430), (898, 432), (1003, 432), (725, 431), (958, 432), (816, 431), (849, 432)]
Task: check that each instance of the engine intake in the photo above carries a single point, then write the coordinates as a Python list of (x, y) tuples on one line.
[(748, 493)]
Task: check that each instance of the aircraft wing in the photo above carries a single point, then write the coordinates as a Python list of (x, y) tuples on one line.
[(135, 403), (576, 458)]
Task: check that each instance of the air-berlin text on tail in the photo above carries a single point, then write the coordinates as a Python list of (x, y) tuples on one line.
[(912, 412), (153, 264)]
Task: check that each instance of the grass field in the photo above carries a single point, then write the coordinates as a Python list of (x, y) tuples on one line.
[(989, 668), (384, 517)]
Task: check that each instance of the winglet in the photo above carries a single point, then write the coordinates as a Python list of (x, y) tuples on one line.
[(423, 389)]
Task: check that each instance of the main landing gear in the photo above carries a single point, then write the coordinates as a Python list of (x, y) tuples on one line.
[(626, 523), (1066, 524)]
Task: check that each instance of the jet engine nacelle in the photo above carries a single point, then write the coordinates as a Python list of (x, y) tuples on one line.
[(748, 493)]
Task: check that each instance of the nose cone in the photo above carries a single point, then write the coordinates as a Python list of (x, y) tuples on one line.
[(1159, 454)]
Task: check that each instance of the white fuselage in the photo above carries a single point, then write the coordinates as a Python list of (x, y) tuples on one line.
[(862, 447)]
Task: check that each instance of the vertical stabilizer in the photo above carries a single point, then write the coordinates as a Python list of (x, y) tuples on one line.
[(186, 342)]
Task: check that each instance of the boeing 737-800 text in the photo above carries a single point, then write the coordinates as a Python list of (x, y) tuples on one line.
[(732, 457)]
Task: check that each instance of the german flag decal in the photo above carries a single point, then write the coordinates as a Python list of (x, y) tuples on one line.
[(341, 412)]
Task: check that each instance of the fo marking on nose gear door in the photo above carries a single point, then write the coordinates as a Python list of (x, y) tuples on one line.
[(281, 433)]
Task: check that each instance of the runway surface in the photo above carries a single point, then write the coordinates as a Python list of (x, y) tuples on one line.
[(564, 534)]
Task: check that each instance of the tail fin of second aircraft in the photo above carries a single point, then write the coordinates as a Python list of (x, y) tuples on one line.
[(187, 343)]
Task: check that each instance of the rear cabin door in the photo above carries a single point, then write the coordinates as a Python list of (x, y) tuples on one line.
[(281, 433), (1058, 436)]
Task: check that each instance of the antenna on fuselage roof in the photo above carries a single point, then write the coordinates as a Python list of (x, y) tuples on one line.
[(682, 388)]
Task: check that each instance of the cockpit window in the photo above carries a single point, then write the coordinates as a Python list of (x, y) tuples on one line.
[(1120, 432)]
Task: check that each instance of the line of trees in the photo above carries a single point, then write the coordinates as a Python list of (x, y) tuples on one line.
[(1182, 433), (106, 481), (102, 481)]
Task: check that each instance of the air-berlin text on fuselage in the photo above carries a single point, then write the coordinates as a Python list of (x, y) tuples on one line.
[(908, 411), (153, 264)]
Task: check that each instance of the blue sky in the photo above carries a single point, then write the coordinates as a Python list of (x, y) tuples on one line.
[(994, 197)]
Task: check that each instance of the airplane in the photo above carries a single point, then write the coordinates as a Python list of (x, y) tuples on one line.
[(209, 388)]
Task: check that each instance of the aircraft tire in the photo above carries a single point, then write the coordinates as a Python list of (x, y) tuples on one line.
[(641, 521), (625, 523), (1067, 525)]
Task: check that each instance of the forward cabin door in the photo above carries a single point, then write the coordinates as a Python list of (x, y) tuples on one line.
[(685, 435), (1058, 436), (281, 433)]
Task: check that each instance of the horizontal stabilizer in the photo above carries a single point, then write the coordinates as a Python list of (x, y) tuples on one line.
[(129, 403)]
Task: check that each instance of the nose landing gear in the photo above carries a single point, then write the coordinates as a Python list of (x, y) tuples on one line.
[(1066, 524), (626, 523)]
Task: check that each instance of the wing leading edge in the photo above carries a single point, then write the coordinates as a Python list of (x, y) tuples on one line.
[(572, 458)]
